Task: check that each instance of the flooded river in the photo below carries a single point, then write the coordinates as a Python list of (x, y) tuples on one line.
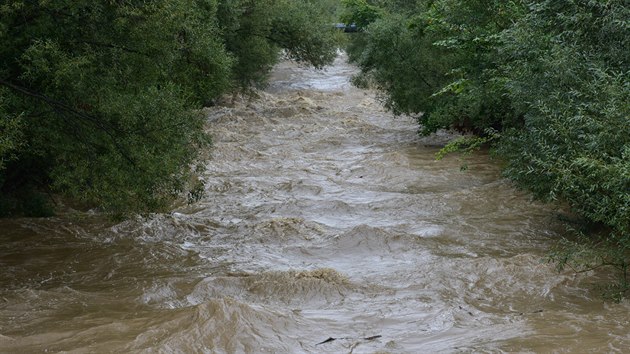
[(327, 227)]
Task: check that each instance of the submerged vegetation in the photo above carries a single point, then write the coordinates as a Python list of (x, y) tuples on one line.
[(99, 99), (546, 82)]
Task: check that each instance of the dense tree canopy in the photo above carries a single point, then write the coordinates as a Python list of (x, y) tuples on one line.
[(99, 99), (547, 81)]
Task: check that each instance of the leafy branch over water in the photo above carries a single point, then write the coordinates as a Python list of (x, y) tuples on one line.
[(99, 99)]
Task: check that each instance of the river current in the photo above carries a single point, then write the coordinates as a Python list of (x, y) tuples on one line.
[(327, 227)]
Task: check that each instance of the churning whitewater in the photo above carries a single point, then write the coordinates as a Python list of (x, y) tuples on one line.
[(327, 227)]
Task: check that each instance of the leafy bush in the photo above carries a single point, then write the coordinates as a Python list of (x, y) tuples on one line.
[(547, 82), (98, 99), (567, 70), (439, 61)]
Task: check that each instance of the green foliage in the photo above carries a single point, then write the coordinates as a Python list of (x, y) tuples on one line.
[(246, 25), (99, 99), (440, 60), (300, 35), (578, 117), (468, 144), (256, 31), (551, 77), (566, 69), (10, 130), (360, 12), (107, 91), (391, 57)]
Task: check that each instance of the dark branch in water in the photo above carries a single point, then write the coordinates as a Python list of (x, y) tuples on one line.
[(331, 339)]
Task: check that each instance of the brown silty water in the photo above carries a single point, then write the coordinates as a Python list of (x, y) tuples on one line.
[(328, 227)]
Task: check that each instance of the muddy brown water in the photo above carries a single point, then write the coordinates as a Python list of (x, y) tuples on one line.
[(328, 227)]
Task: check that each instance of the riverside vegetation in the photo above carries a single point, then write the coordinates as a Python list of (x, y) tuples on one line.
[(99, 100), (545, 83)]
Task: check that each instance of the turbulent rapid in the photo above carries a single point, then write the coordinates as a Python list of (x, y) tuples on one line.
[(327, 227)]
